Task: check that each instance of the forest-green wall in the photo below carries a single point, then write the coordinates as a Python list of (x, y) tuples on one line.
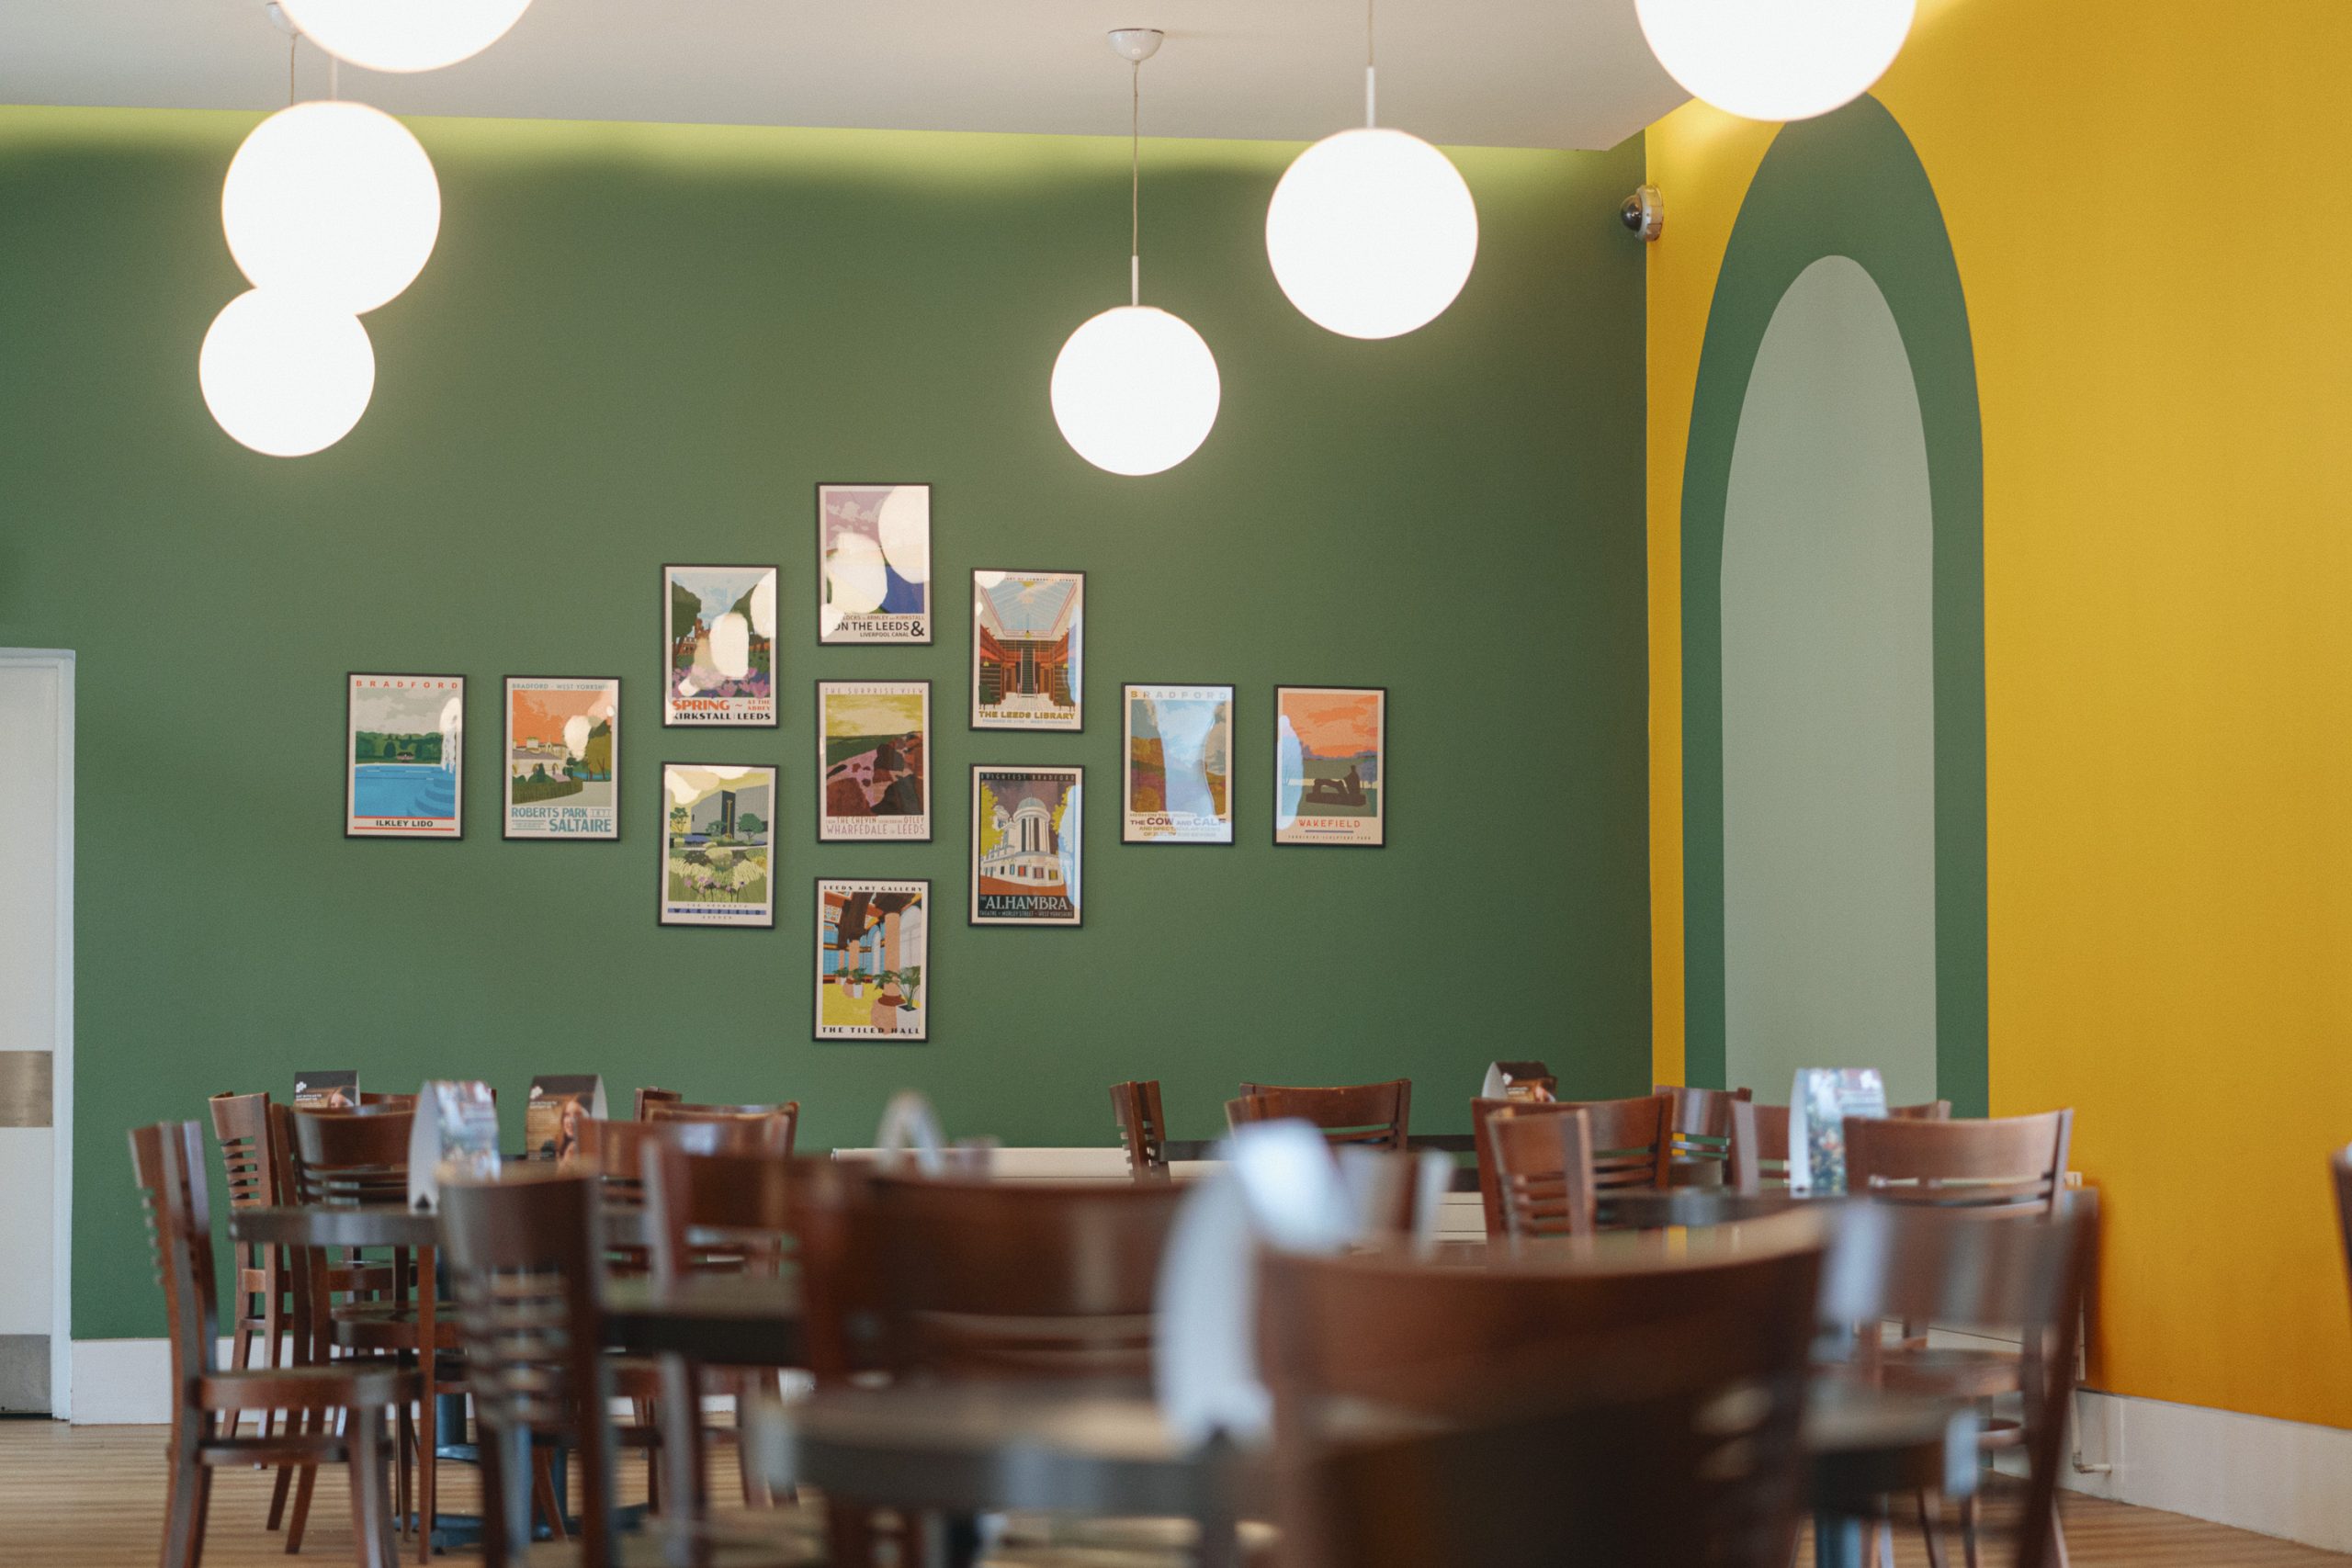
[(637, 344)]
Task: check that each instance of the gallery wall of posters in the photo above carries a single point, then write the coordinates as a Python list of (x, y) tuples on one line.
[(872, 563), (403, 756), (1177, 766), (1332, 765), (874, 760), (872, 960), (718, 645), (1027, 844), (719, 837), (1028, 650), (562, 770)]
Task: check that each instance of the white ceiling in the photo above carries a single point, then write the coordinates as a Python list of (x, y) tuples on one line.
[(1496, 73)]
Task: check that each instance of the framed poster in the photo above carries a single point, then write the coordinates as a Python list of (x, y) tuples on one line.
[(717, 645), (874, 759), (403, 756), (872, 563), (1027, 841), (1028, 649), (872, 960), (563, 758), (1332, 765), (1176, 784), (717, 845)]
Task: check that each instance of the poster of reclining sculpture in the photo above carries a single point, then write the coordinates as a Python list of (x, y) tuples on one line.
[(1332, 765)]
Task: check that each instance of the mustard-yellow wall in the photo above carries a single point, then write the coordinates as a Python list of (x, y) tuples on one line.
[(2150, 203)]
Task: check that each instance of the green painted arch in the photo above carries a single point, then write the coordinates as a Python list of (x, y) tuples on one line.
[(1847, 185)]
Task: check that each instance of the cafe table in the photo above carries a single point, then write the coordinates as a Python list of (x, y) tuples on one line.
[(1105, 1451)]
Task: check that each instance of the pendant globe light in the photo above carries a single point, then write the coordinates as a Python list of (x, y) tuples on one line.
[(284, 374), (1776, 60), (1135, 389), (1372, 231), (332, 199), (404, 35)]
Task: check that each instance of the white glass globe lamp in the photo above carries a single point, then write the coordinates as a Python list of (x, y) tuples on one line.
[(1776, 60), (333, 200), (404, 35), (284, 374)]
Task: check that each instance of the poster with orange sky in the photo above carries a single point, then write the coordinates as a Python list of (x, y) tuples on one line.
[(1332, 765), (563, 757)]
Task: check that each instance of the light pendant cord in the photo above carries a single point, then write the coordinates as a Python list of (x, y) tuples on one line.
[(293, 45), (1370, 121), (1135, 185)]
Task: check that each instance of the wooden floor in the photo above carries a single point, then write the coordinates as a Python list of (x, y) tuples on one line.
[(92, 1497)]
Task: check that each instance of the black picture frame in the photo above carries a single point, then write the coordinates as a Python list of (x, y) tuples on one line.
[(817, 948), (1076, 773), (1274, 740), (506, 754), (930, 787), (1232, 770), (350, 764), (661, 857), (776, 661), (972, 655), (929, 587)]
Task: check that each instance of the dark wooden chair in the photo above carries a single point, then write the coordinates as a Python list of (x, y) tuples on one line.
[(1700, 1124), (1142, 1128), (373, 1102), (1925, 1263), (262, 1314), (1375, 1115), (524, 1256), (1925, 1111), (783, 1119), (648, 1098), (1632, 1143), (1542, 1166), (348, 1402), (1651, 1403), (1759, 1139)]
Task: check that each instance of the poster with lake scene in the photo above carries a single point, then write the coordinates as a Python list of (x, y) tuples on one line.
[(1332, 765), (563, 768), (874, 757), (717, 845), (872, 960), (873, 563), (1027, 843), (1028, 649), (1178, 784), (404, 756), (718, 645)]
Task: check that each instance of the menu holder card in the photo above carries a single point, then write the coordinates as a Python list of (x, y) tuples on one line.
[(1820, 1101), (1520, 1080), (327, 1091), (552, 1116), (453, 1138)]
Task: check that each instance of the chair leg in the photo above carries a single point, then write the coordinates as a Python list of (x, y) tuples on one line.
[(281, 1486), (240, 1354), (428, 1436), (2058, 1558), (1969, 1543), (1931, 1528), (543, 1491), (184, 1525), (371, 1520), (403, 1456), (303, 1481), (1882, 1543)]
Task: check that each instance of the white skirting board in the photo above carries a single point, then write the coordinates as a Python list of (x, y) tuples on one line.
[(2281, 1478)]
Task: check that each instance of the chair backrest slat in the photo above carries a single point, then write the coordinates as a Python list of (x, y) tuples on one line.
[(775, 1125), (1700, 1122), (1142, 1129), (241, 1124), (1377, 1115), (1541, 1170), (648, 1098), (168, 1161), (1632, 1143), (1998, 1168)]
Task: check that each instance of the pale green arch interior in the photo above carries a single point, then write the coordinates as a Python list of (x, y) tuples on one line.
[(1829, 700)]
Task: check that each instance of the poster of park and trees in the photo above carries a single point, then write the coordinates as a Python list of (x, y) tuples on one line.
[(717, 864), (718, 645), (562, 767), (403, 756), (874, 759)]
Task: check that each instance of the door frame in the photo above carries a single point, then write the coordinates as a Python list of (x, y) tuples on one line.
[(61, 1104)]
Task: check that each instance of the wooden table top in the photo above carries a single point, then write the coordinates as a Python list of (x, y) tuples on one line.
[(312, 1224), (729, 1320)]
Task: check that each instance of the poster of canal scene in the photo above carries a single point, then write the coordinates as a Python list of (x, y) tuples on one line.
[(874, 757), (1027, 839), (718, 645), (1028, 647), (405, 757), (873, 563), (563, 756), (717, 866), (872, 960), (1178, 786), (1332, 765)]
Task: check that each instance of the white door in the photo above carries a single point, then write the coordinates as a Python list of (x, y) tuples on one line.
[(35, 1000)]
